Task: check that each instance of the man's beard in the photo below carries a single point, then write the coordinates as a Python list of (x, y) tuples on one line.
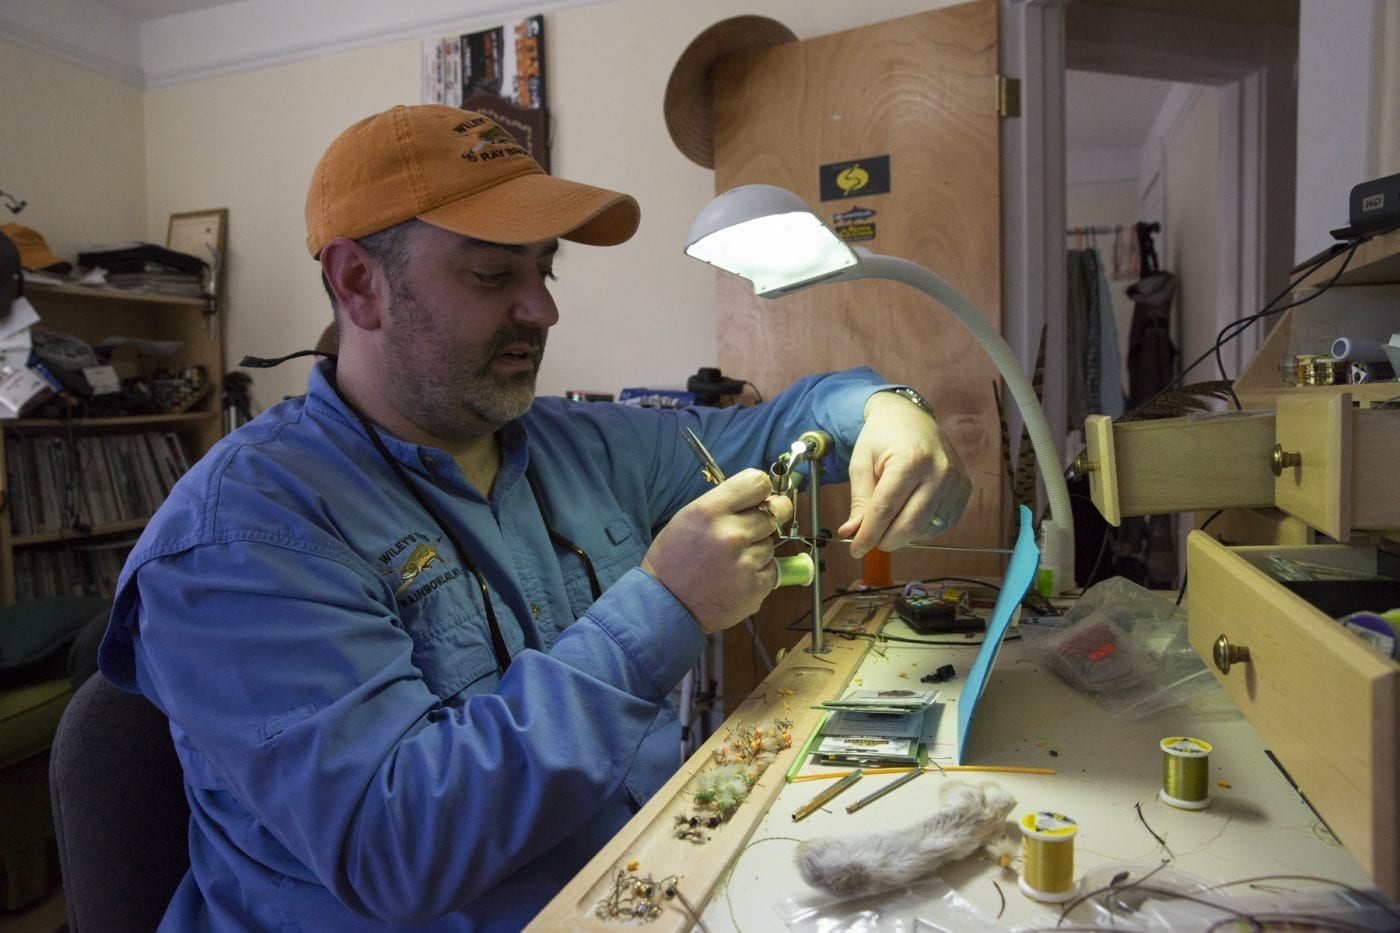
[(456, 395)]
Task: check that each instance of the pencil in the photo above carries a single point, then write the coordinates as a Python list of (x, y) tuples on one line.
[(1004, 769), (811, 806)]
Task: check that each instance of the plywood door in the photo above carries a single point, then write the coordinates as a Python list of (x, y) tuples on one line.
[(921, 91)]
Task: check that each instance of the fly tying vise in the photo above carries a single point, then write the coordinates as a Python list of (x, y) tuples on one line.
[(795, 569)]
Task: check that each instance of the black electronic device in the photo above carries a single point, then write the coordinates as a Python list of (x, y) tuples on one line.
[(1374, 207), (709, 385), (930, 614)]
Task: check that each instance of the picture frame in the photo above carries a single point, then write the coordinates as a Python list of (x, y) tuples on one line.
[(201, 234)]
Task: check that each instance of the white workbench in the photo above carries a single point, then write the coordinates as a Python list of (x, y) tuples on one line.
[(1256, 823)]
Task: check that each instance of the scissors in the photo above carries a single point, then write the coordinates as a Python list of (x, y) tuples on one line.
[(708, 467)]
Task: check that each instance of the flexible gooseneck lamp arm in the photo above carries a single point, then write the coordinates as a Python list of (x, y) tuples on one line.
[(772, 238)]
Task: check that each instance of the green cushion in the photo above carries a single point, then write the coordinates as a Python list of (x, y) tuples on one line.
[(29, 717), (33, 631)]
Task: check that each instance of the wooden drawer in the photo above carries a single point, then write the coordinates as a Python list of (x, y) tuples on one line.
[(1178, 464), (1332, 459), (1325, 702)]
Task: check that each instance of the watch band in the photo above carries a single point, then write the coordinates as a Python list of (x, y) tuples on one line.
[(908, 393)]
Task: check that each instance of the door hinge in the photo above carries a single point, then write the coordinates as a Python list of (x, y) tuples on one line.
[(1008, 96)]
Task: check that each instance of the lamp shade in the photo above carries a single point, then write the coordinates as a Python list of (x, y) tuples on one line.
[(769, 236)]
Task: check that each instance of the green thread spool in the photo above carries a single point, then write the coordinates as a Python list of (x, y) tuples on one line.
[(1185, 773), (1047, 856), (796, 570)]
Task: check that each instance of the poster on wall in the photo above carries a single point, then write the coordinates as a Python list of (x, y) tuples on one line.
[(498, 72), (506, 61)]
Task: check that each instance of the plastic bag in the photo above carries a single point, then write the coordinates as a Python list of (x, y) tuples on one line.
[(1125, 648)]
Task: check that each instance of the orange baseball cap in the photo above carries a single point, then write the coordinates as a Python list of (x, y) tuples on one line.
[(34, 253), (458, 170)]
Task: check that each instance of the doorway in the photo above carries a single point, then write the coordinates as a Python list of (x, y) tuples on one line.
[(1235, 60)]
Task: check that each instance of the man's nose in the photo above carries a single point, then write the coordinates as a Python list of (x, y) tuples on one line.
[(536, 305)]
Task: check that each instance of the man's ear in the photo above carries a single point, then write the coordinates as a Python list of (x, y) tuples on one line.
[(357, 281)]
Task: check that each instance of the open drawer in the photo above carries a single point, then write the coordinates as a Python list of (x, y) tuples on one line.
[(1325, 702)]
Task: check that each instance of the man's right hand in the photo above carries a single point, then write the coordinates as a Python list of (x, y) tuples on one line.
[(716, 554)]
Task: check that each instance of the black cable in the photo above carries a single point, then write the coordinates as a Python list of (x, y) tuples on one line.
[(1266, 311), (1182, 592), (796, 624), (1243, 323)]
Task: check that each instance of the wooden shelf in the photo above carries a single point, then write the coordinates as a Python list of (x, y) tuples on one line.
[(107, 296), (118, 423), (97, 531), (193, 330), (1376, 262)]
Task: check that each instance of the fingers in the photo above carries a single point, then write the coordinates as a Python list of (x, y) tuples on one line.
[(899, 510), (913, 497), (716, 554), (754, 511)]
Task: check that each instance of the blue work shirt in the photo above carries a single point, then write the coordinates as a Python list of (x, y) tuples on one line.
[(353, 758)]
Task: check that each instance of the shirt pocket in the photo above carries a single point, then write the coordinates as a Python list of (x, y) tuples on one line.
[(613, 546), (455, 652)]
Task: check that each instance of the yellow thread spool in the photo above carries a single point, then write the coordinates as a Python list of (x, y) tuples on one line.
[(1185, 773), (1047, 856)]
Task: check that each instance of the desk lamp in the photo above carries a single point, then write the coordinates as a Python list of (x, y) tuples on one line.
[(769, 236)]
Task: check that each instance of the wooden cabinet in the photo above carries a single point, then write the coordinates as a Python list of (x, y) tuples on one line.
[(1300, 465), (1326, 704), (184, 326)]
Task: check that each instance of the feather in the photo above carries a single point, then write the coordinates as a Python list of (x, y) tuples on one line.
[(1180, 402)]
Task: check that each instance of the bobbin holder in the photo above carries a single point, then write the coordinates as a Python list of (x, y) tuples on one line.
[(810, 448)]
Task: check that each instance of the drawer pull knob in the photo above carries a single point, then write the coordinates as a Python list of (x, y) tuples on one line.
[(1227, 654), (1082, 465), (1282, 460)]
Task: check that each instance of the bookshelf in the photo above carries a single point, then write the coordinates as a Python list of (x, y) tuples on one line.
[(76, 491)]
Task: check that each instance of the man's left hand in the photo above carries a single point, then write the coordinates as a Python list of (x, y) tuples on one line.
[(906, 480)]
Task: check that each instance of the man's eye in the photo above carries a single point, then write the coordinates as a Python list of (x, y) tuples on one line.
[(493, 278), (548, 275)]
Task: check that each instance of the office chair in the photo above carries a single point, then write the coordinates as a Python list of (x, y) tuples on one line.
[(119, 810)]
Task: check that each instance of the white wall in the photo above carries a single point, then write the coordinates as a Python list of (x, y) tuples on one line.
[(639, 314), (1190, 240), (1348, 109), (72, 146)]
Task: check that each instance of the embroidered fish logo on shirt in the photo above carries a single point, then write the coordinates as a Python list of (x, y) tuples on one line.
[(422, 557)]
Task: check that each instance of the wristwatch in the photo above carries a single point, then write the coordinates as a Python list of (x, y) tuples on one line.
[(911, 395)]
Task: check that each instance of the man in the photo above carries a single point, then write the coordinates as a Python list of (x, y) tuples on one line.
[(416, 632)]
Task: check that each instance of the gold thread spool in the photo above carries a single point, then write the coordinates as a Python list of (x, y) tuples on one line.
[(1185, 773), (1047, 856)]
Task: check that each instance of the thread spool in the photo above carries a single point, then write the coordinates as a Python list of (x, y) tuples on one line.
[(795, 570), (1047, 856), (1185, 773)]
